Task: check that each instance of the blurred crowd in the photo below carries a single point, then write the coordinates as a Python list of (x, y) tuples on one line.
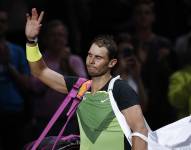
[(157, 67)]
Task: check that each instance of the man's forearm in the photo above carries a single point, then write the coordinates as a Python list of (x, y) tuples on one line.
[(138, 143), (40, 70), (37, 67)]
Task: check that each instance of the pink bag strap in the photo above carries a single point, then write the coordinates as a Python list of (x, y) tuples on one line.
[(72, 94), (72, 110)]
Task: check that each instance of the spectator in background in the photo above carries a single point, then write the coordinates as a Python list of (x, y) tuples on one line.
[(180, 81), (14, 78), (130, 68), (157, 61), (179, 91), (54, 40)]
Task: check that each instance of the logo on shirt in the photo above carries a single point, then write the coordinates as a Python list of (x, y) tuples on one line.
[(102, 101)]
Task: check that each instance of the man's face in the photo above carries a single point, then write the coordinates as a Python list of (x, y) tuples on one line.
[(97, 61)]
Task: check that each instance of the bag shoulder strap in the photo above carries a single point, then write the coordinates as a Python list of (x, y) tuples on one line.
[(84, 88), (121, 119), (76, 101), (72, 94)]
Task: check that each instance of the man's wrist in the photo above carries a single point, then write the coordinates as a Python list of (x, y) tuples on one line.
[(33, 53), (32, 41)]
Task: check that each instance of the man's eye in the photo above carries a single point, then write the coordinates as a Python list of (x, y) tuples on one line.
[(98, 58)]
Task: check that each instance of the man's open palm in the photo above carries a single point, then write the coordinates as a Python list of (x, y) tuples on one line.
[(33, 24)]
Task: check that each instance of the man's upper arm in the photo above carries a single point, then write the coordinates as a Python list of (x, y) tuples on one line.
[(135, 119), (54, 80), (128, 102)]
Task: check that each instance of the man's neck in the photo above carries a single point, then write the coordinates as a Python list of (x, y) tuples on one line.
[(99, 82)]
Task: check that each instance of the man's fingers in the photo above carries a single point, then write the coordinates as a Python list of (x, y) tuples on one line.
[(28, 17), (40, 17), (34, 14)]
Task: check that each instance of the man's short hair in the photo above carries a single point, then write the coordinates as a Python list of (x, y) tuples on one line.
[(108, 42)]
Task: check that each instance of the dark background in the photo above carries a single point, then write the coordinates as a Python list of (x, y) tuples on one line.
[(87, 18)]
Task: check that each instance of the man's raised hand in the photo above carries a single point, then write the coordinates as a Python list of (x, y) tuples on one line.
[(33, 24)]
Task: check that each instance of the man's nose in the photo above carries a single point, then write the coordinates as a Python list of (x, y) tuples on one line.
[(92, 60)]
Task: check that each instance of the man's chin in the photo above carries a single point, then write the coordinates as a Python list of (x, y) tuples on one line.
[(93, 74)]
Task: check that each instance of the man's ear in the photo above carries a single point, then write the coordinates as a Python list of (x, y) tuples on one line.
[(112, 63)]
